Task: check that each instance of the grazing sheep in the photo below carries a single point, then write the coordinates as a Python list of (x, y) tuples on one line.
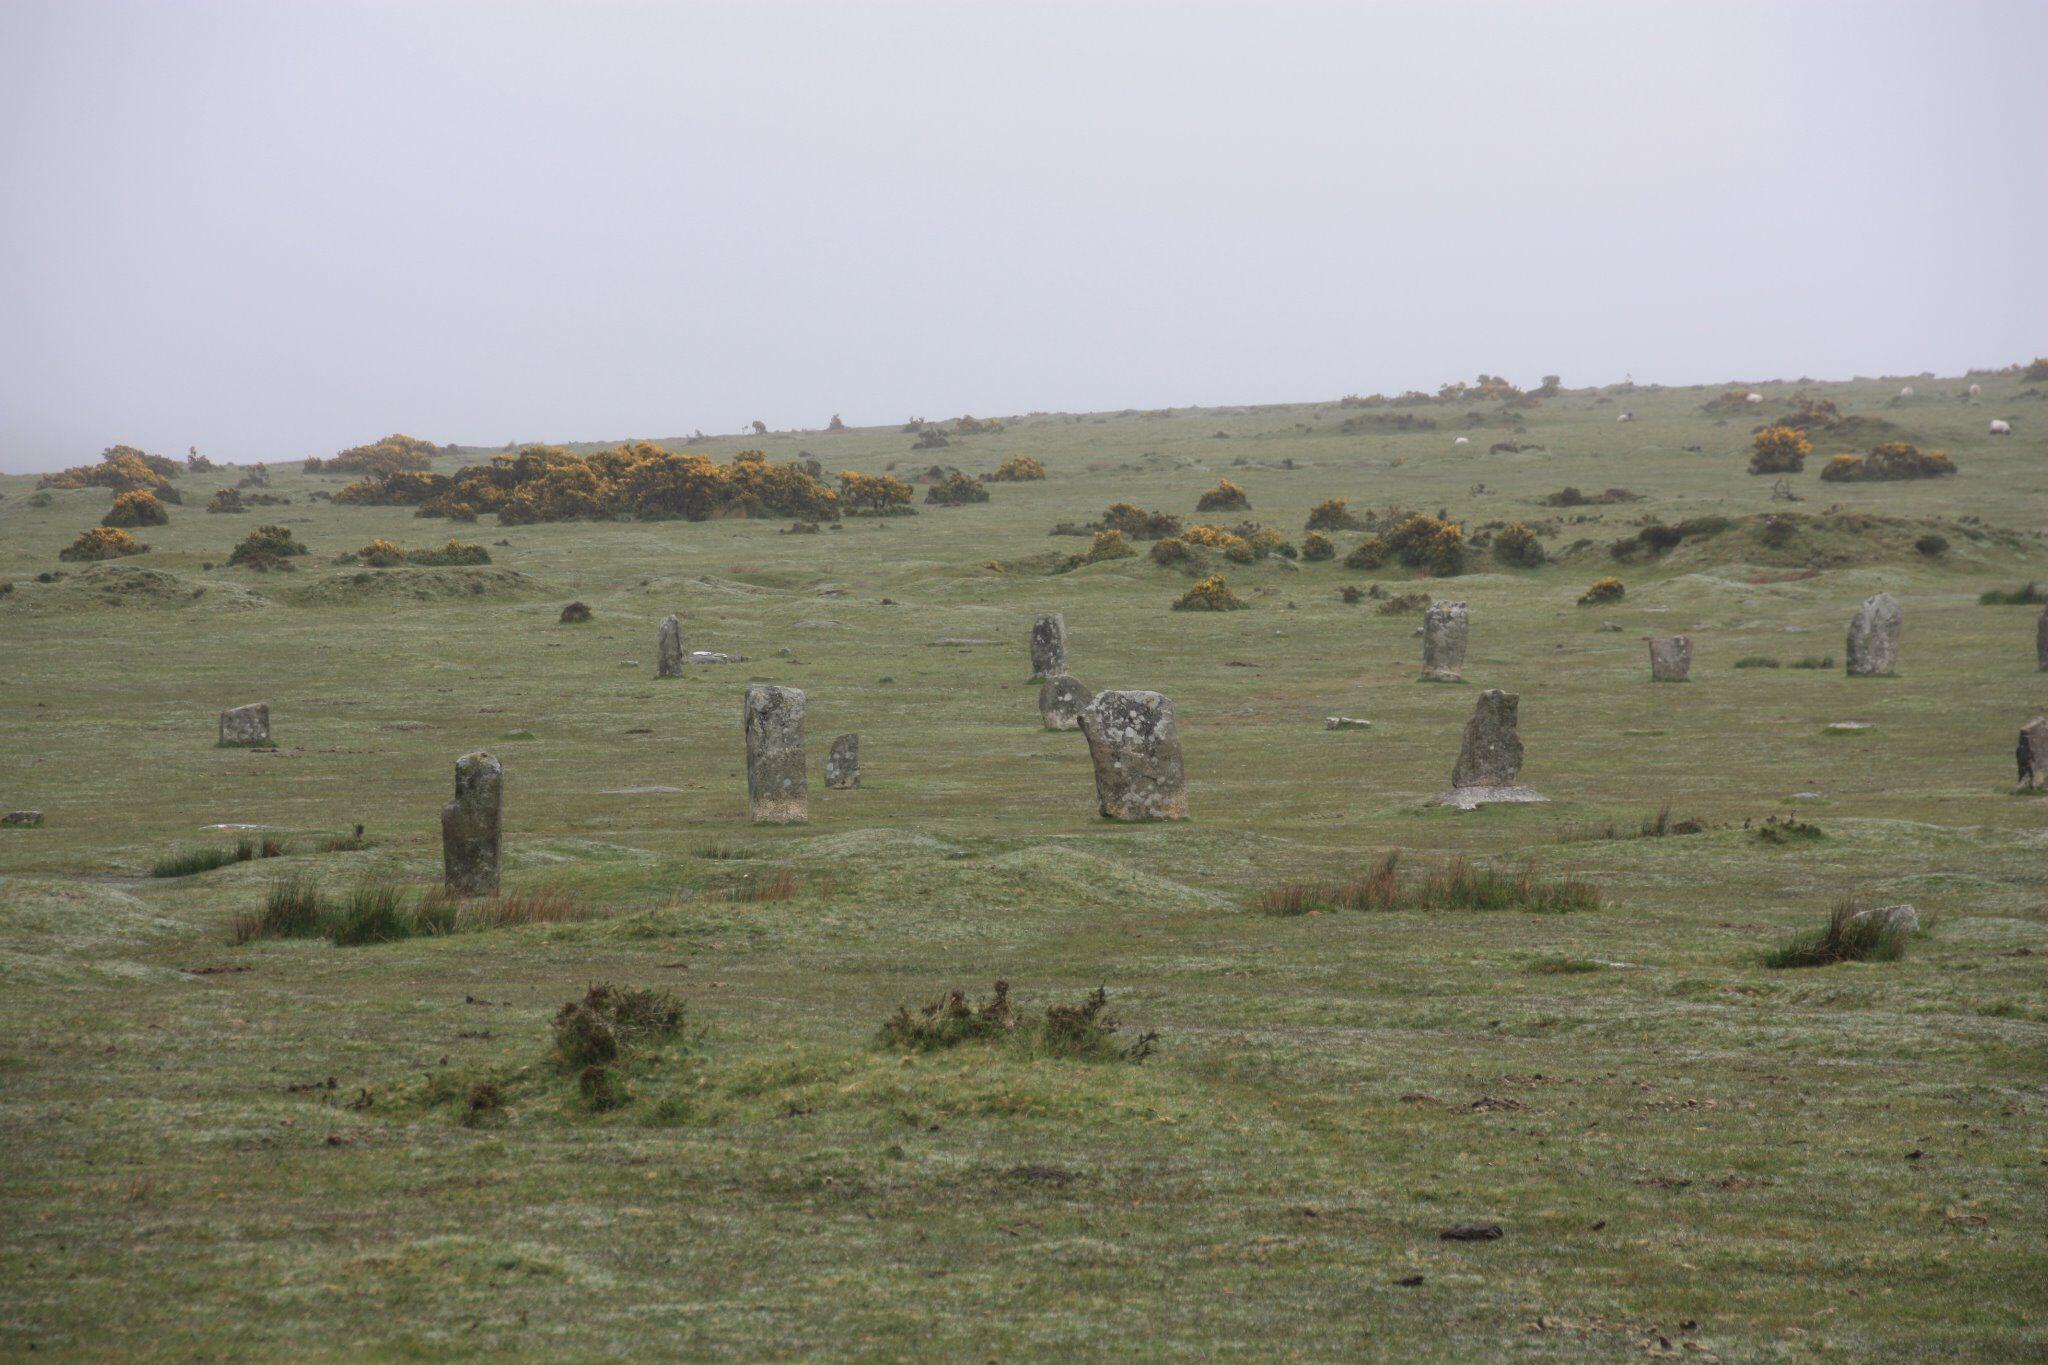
[(1906, 392), (2000, 427), (1461, 441), (1752, 398), (1626, 417), (1976, 390)]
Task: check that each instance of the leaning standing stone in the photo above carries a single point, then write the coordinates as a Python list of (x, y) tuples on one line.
[(778, 782), (1136, 749), (245, 726), (471, 824), (1671, 659), (668, 648), (1048, 646), (1490, 761), (1444, 629), (1874, 638), (1061, 701), (2033, 754), (842, 763)]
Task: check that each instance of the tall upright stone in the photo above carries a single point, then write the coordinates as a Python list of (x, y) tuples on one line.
[(1873, 650), (1445, 626), (1048, 646), (778, 781), (2041, 640), (2033, 754), (1671, 659), (245, 727), (1136, 750), (471, 826), (842, 763), (1061, 701), (1489, 767), (669, 654)]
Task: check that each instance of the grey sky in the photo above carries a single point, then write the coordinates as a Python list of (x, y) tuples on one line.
[(274, 229)]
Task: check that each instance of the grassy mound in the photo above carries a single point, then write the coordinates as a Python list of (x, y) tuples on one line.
[(367, 587)]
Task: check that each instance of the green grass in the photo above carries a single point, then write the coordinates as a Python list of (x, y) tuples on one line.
[(192, 861), (1667, 1130)]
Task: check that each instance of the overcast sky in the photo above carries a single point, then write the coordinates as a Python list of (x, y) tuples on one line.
[(275, 229)]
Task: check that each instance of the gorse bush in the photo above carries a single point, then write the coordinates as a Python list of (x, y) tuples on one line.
[(1603, 592), (878, 495), (1316, 547), (1853, 933), (453, 553), (379, 554), (1211, 594), (1516, 546), (1370, 553), (123, 469), (1224, 497), (393, 454), (101, 542), (955, 490), (137, 507), (226, 500), (1890, 462), (1017, 469), (637, 481), (1430, 544), (1572, 497), (1138, 524), (1779, 450), (1108, 545), (266, 547), (1332, 515), (1085, 1031)]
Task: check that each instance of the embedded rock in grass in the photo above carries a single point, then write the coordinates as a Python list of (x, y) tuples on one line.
[(668, 648), (1061, 700), (471, 825), (2033, 754), (1671, 659), (1048, 646), (1346, 723), (778, 782), (1898, 919), (1874, 638), (22, 819), (1136, 750), (1490, 760), (842, 763), (245, 726), (1444, 629)]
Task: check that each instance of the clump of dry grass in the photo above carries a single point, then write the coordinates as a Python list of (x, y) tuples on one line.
[(517, 909), (610, 1021), (1853, 933), (1085, 1031), (1457, 885), (778, 885)]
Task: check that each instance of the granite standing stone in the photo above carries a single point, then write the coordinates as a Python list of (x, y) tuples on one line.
[(669, 655), (1136, 750), (1048, 646), (842, 763), (2041, 640), (1671, 659), (1490, 760), (1445, 626), (2033, 754), (471, 826), (1061, 701), (245, 725), (778, 781), (1874, 638)]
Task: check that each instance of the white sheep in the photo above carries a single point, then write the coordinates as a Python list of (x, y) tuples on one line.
[(1752, 398), (2000, 427), (1626, 417), (1906, 392), (1976, 390), (1461, 441)]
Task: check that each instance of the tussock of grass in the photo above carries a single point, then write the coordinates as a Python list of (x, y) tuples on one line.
[(1756, 661), (1852, 934), (386, 912), (610, 1021), (352, 842), (1085, 1031), (779, 885), (1564, 966), (1782, 830), (1457, 885), (192, 861), (2029, 595), (1814, 661)]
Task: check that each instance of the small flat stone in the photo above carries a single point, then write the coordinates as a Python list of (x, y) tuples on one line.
[(1346, 723), (709, 656), (641, 791), (22, 819), (1472, 798), (948, 641), (1843, 727)]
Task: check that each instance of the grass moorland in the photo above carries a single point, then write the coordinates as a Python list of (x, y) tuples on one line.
[(222, 1142)]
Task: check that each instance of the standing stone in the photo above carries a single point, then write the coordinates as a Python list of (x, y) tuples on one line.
[(1671, 659), (842, 763), (668, 648), (2033, 754), (1490, 761), (1136, 749), (1444, 629), (1061, 701), (245, 725), (778, 781), (1048, 646), (1874, 638), (471, 825), (2041, 640)]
